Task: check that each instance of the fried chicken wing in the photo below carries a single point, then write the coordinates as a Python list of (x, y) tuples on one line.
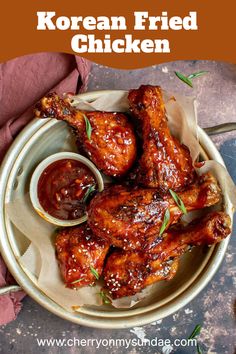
[(165, 163), (131, 218), (128, 272), (78, 251), (112, 145)]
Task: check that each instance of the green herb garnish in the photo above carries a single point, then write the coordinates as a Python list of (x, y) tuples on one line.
[(195, 332), (197, 74), (104, 297), (178, 201), (77, 281), (165, 222), (184, 78), (88, 127), (94, 272), (88, 192), (199, 350), (188, 79)]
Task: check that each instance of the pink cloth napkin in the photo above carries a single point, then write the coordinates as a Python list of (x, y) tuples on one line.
[(23, 81)]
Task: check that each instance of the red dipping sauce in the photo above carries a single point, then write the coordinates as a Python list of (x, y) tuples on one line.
[(63, 189)]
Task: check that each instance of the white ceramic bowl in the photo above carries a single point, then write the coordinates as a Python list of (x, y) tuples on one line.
[(38, 172), (197, 268)]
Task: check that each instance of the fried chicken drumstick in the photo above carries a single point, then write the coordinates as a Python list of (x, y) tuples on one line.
[(131, 218), (165, 163), (128, 272), (112, 145), (78, 253)]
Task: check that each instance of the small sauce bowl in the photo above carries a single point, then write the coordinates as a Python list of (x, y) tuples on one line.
[(40, 169)]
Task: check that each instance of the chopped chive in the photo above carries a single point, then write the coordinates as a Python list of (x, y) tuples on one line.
[(77, 281), (178, 201), (195, 332), (87, 126), (94, 272), (165, 221), (104, 297), (184, 78), (197, 74), (188, 79), (88, 192), (199, 350)]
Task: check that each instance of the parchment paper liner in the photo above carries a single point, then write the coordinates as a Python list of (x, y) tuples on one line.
[(40, 259)]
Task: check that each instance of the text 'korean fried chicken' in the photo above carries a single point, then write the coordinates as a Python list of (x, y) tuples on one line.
[(112, 144), (131, 218), (78, 251), (165, 163), (128, 272)]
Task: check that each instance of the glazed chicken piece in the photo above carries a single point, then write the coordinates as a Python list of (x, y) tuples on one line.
[(132, 218), (165, 162), (112, 145), (128, 272), (78, 253)]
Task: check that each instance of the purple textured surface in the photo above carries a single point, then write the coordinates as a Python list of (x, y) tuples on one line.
[(215, 307)]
